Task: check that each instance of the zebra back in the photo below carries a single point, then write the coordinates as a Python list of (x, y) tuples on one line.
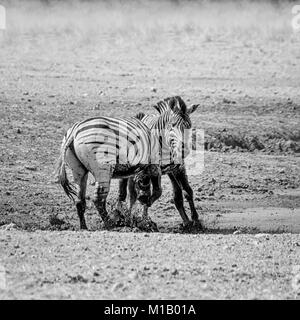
[(114, 140)]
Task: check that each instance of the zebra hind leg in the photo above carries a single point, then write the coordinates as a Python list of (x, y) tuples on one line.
[(81, 202), (80, 175), (103, 177), (99, 199)]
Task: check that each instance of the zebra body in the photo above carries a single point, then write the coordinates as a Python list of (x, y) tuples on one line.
[(125, 144), (176, 172)]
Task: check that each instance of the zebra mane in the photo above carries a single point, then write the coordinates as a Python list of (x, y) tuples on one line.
[(175, 103), (140, 115)]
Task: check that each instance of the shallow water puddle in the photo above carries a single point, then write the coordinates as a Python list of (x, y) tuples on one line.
[(271, 219)]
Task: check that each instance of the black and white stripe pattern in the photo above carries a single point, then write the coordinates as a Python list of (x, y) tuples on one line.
[(116, 141), (117, 148)]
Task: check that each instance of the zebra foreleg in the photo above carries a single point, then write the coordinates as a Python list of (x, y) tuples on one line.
[(141, 190), (132, 199), (188, 194), (178, 199), (157, 189), (122, 195), (153, 176), (122, 189)]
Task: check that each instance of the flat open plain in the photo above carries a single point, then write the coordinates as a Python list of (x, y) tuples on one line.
[(59, 65)]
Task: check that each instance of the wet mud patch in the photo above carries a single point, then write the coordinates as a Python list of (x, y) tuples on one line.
[(235, 140)]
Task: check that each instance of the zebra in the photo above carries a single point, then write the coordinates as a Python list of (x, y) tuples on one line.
[(176, 172), (111, 148)]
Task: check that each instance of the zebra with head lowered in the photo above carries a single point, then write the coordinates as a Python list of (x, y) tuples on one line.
[(113, 148), (172, 146)]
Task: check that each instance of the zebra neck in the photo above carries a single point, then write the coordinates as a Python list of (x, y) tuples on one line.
[(158, 130), (160, 150)]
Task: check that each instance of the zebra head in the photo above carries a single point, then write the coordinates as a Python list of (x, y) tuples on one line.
[(177, 126)]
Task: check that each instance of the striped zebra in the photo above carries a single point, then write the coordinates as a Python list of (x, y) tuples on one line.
[(176, 172), (115, 148)]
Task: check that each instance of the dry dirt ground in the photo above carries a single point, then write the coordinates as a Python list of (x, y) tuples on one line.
[(58, 66)]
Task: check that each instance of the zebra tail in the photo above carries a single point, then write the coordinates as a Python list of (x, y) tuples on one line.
[(61, 172), (65, 183)]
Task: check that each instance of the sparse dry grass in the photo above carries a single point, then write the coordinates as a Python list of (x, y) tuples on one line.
[(149, 20)]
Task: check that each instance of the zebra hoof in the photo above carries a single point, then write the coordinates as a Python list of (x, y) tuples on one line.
[(187, 226), (147, 225), (154, 227), (197, 224), (192, 227), (109, 224)]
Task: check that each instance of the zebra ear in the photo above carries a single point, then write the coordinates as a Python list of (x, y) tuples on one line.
[(140, 115), (173, 104), (192, 108), (163, 105)]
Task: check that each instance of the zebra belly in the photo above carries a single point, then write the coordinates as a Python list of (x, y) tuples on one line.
[(124, 171)]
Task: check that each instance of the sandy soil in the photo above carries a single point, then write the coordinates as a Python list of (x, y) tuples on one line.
[(246, 79), (114, 265)]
